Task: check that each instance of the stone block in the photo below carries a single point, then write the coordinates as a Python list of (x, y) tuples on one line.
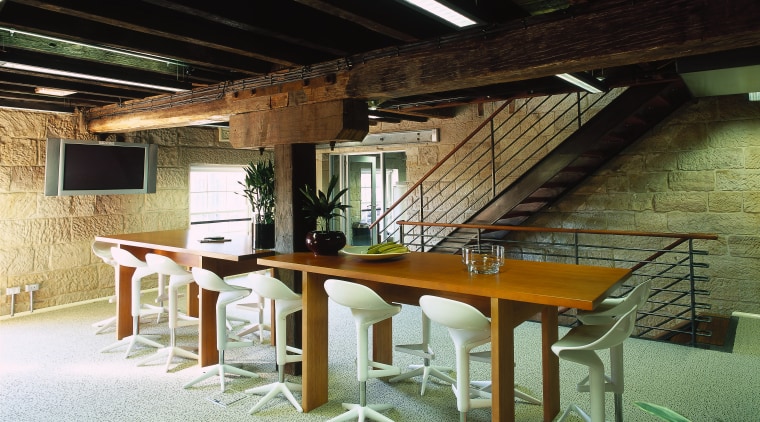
[(649, 182), (744, 246), (711, 159), (737, 180), (692, 181), (725, 201)]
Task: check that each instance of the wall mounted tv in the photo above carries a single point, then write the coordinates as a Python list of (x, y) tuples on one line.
[(77, 167)]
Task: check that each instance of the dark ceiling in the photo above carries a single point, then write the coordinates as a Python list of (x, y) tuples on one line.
[(190, 44)]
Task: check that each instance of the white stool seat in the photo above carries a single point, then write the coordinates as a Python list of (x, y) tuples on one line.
[(286, 302), (257, 306), (468, 329), (125, 258), (367, 308), (227, 294)]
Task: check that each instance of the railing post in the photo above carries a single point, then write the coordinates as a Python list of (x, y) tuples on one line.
[(493, 162), (693, 295), (422, 218), (575, 246), (578, 104)]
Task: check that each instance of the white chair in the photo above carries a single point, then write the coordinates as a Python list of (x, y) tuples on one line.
[(424, 351), (178, 277), (367, 309), (468, 329), (580, 344), (258, 307), (103, 251), (227, 294), (126, 259), (286, 302), (607, 312)]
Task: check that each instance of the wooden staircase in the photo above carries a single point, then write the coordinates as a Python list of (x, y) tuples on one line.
[(625, 120)]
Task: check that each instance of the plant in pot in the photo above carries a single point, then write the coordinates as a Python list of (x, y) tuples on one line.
[(258, 188), (323, 207)]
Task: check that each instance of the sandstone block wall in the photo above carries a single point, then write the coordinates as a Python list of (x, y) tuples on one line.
[(47, 240)]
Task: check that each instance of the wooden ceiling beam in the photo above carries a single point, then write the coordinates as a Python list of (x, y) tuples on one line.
[(600, 35)]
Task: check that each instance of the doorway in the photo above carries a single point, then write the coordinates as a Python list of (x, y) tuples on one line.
[(374, 182)]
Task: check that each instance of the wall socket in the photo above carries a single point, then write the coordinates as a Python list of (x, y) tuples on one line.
[(13, 290), (32, 287)]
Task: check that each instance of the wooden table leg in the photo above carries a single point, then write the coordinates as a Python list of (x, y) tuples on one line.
[(124, 301), (314, 341), (502, 360), (207, 351), (550, 362)]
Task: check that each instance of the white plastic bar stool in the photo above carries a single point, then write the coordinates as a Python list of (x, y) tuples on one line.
[(286, 302), (125, 258), (367, 308), (424, 351), (580, 344), (227, 294), (256, 306), (178, 277), (103, 251), (468, 329), (607, 312)]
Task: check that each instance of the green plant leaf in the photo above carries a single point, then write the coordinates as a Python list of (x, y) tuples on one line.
[(662, 412)]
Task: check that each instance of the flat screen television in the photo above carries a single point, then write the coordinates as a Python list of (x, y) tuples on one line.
[(74, 167)]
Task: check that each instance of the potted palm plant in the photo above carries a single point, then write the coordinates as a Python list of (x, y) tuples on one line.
[(323, 207), (258, 188)]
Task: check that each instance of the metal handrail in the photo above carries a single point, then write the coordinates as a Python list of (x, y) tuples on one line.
[(489, 159), (669, 259)]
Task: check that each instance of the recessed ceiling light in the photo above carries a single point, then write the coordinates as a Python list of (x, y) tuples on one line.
[(589, 84), (754, 96), (442, 11), (50, 71), (53, 91)]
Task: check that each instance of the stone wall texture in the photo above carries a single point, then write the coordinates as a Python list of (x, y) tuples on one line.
[(47, 240), (697, 172)]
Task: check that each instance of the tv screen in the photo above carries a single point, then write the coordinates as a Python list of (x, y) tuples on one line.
[(99, 168)]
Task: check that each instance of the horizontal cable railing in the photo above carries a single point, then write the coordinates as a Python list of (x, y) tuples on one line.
[(671, 260)]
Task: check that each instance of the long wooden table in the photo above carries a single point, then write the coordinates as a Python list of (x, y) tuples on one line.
[(521, 289), (185, 248)]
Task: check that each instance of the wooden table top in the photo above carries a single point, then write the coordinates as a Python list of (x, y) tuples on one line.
[(544, 283), (187, 241)]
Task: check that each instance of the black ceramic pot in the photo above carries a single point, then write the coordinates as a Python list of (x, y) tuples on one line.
[(262, 235), (325, 242)]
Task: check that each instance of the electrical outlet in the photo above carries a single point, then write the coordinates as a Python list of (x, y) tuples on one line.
[(13, 290), (32, 287)]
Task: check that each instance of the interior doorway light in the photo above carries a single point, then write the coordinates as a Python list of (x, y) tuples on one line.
[(586, 82), (54, 91), (443, 12), (49, 71)]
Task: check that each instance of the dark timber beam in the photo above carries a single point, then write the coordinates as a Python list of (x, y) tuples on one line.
[(341, 120), (602, 34)]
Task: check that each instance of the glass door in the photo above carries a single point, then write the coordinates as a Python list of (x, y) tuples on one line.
[(373, 181)]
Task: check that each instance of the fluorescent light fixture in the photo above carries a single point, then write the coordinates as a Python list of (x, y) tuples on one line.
[(586, 83), (53, 91), (57, 72), (442, 11), (754, 96)]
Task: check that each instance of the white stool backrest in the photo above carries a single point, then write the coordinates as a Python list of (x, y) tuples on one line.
[(271, 288), (210, 281), (454, 314), (637, 297), (164, 265), (355, 296), (103, 251), (615, 335), (126, 259)]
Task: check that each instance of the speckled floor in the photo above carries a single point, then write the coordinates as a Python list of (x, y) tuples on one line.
[(51, 369)]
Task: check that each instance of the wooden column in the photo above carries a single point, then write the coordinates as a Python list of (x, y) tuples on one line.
[(295, 166)]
